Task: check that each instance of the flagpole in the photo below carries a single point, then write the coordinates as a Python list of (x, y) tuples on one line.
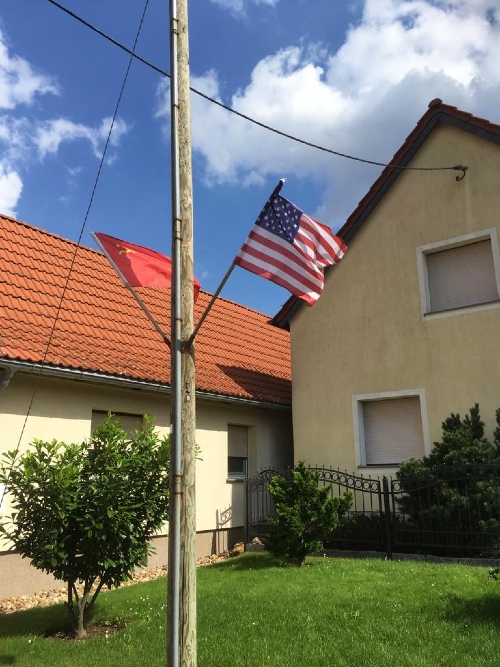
[(141, 303), (181, 643), (191, 338)]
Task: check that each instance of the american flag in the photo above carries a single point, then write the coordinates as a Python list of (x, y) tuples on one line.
[(291, 249)]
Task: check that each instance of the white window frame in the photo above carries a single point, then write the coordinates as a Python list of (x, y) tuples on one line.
[(423, 278), (237, 476), (359, 425)]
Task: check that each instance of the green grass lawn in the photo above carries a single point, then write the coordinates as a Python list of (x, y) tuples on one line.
[(339, 612)]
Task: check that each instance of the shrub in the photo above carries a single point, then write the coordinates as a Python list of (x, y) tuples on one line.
[(455, 490), (86, 512), (305, 514)]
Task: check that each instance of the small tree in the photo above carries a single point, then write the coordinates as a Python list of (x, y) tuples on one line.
[(453, 487), (305, 514), (463, 442), (86, 512)]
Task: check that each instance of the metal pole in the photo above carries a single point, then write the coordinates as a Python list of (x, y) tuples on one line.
[(141, 303), (387, 515), (175, 485)]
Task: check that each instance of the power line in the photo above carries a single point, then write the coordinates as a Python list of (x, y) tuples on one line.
[(457, 167), (73, 259)]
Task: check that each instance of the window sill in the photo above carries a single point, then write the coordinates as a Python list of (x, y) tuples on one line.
[(437, 314), (236, 479), (371, 466)]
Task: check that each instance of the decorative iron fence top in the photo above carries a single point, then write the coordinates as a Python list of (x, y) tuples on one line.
[(327, 476), (333, 475)]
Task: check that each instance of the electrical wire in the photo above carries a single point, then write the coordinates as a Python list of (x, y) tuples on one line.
[(159, 70), (458, 167), (77, 246)]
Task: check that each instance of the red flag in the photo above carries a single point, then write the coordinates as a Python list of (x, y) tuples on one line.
[(291, 249), (141, 267)]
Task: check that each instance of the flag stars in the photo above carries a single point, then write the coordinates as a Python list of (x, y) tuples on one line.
[(299, 269), (122, 250), (281, 217)]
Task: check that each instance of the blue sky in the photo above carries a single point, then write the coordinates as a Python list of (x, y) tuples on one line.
[(352, 76)]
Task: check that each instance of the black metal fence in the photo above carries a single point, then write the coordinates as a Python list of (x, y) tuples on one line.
[(452, 510)]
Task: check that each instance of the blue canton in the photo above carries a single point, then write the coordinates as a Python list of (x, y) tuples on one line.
[(280, 217)]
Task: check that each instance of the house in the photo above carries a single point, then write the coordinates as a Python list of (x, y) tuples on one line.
[(74, 344), (407, 330)]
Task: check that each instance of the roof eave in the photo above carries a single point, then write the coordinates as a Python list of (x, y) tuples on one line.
[(129, 383)]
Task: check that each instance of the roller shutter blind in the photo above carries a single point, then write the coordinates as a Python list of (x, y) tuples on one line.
[(237, 440), (237, 451), (393, 430), (129, 422), (462, 276)]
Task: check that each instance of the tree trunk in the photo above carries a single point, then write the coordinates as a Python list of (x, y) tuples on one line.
[(84, 609), (80, 631), (79, 608), (71, 606)]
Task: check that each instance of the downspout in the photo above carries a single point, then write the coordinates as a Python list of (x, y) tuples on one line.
[(6, 375)]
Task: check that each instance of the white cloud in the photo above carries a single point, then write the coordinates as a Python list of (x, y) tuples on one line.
[(74, 171), (398, 37), (23, 138), (14, 137), (19, 83), (11, 187), (240, 6), (362, 99), (51, 134)]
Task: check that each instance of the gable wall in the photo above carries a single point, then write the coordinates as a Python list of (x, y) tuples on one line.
[(367, 334)]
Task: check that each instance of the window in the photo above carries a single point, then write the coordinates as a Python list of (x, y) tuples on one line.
[(237, 451), (459, 273), (390, 427), (129, 422)]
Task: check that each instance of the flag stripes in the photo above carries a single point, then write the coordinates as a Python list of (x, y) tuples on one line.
[(297, 264)]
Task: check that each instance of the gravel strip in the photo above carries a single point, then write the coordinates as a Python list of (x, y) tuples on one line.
[(58, 595)]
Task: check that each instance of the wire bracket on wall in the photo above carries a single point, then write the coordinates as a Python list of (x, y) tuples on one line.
[(463, 169)]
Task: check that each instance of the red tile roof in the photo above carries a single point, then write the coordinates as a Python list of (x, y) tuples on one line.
[(438, 112), (100, 328)]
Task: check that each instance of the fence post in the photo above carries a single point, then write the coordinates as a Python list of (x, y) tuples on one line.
[(387, 515), (246, 512)]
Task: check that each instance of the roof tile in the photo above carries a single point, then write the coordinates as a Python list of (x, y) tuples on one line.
[(100, 327)]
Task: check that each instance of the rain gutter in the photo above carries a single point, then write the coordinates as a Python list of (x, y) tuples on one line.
[(78, 375)]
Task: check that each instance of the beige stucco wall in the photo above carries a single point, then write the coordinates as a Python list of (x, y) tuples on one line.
[(367, 334), (62, 409)]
